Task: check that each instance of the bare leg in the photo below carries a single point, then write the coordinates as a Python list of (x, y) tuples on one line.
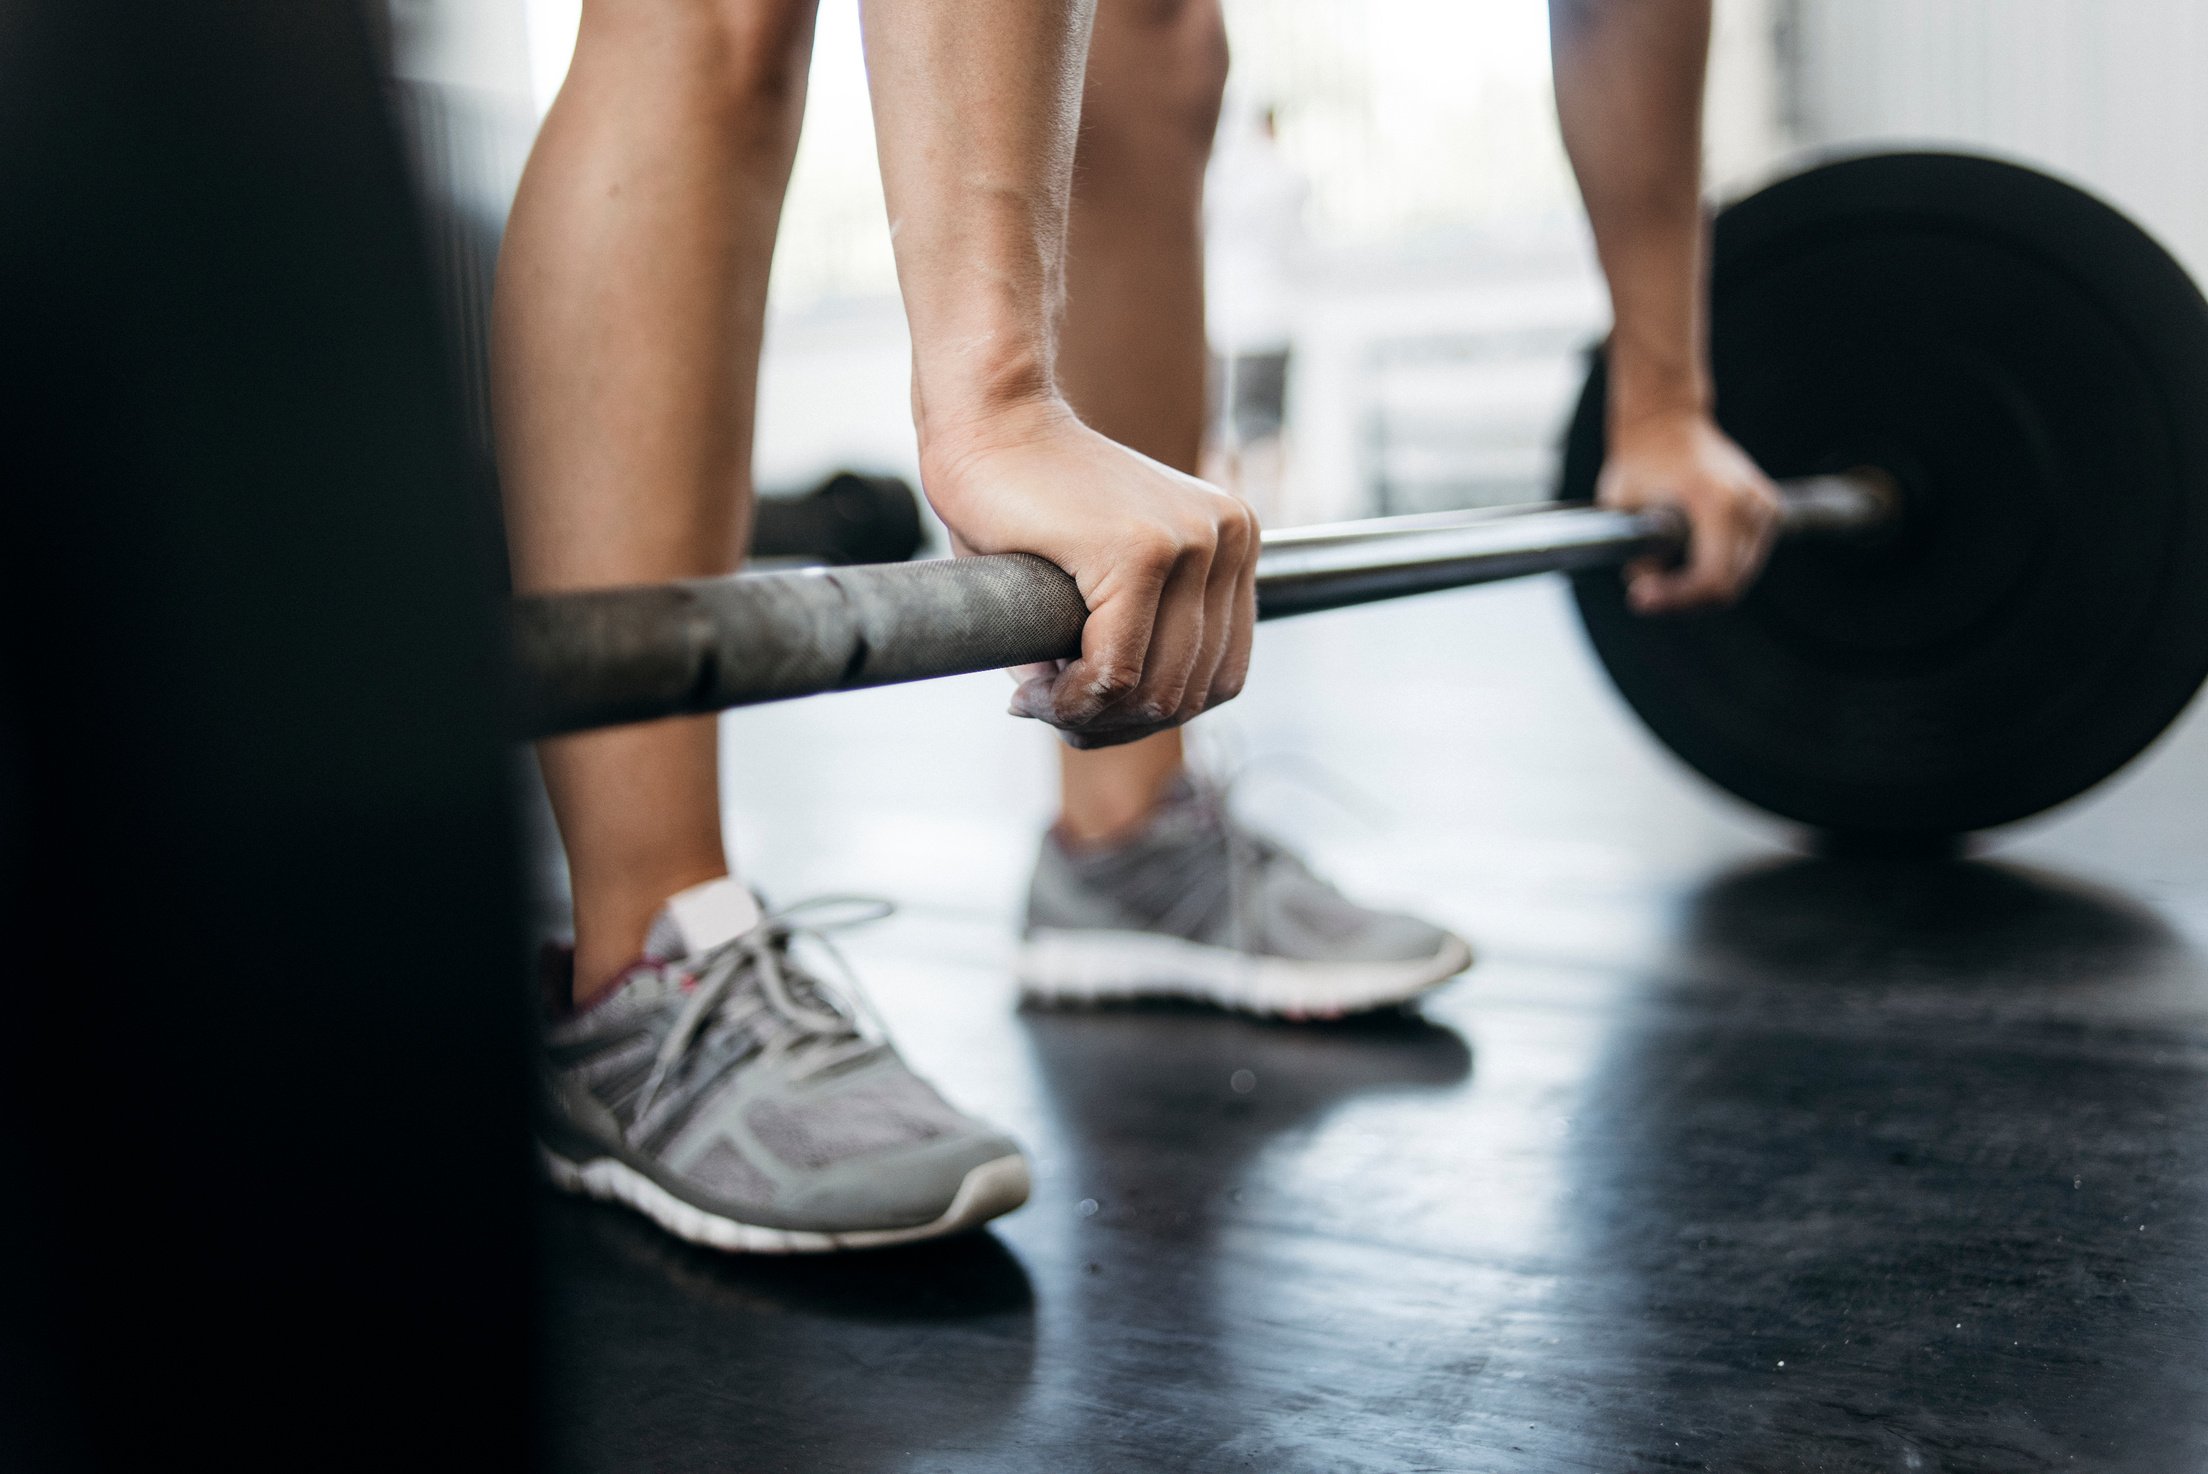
[(631, 294), (1131, 353)]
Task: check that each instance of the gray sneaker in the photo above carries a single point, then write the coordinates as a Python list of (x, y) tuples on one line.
[(1196, 906), (741, 1102)]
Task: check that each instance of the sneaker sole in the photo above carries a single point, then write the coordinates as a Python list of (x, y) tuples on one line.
[(989, 1190), (1104, 966)]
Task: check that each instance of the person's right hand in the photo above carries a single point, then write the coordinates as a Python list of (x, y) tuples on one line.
[(1682, 459), (1166, 564)]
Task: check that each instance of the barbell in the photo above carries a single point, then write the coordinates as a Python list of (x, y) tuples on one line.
[(1985, 394)]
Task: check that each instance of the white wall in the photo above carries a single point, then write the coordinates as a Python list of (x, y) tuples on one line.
[(2111, 93), (1745, 140), (480, 46)]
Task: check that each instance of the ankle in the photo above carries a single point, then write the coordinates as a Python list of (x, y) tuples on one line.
[(1106, 821), (611, 927), (1093, 830), (596, 973), (1107, 796)]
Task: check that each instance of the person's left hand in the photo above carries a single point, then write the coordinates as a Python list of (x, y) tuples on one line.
[(1166, 563), (1681, 459)]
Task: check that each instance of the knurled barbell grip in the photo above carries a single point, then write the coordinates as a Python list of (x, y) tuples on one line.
[(605, 657)]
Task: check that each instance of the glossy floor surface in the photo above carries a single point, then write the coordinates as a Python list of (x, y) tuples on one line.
[(1724, 1157)]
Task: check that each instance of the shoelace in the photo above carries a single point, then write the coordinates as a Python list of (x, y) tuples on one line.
[(845, 1029), (1250, 853)]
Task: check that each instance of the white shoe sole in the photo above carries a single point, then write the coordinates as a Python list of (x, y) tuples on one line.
[(990, 1190), (1102, 966)]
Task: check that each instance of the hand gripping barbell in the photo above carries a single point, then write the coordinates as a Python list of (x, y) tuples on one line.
[(1987, 394)]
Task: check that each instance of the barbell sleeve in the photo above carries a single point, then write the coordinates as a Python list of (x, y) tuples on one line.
[(610, 656)]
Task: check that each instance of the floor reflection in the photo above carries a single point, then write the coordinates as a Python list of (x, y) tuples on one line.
[(1165, 1119), (1150, 1068), (1959, 925), (1900, 1167), (1191, 1137), (667, 1356), (966, 1278)]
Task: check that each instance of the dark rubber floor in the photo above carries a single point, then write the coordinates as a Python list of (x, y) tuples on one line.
[(1723, 1158)]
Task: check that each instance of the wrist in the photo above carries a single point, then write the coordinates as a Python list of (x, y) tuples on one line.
[(971, 389), (1644, 389), (959, 429)]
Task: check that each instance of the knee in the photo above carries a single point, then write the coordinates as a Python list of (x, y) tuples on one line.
[(1157, 74), (750, 56), (756, 51)]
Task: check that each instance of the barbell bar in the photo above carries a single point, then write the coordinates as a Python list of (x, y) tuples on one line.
[(604, 657)]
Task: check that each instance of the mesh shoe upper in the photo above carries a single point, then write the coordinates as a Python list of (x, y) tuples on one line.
[(1195, 873), (749, 1086)]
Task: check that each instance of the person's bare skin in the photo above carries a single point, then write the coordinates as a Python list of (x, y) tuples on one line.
[(1629, 77), (631, 293), (1164, 561), (1131, 359)]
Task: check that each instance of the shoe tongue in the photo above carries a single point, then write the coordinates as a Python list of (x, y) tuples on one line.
[(700, 919)]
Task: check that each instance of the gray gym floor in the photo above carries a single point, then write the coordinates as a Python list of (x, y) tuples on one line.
[(1723, 1158)]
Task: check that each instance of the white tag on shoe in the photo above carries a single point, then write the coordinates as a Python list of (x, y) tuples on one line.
[(703, 917)]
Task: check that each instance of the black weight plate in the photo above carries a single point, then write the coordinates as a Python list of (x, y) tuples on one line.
[(2034, 370)]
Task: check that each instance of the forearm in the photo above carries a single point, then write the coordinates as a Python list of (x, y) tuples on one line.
[(1629, 77), (976, 105)]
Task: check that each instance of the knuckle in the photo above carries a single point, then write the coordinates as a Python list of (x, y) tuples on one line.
[(1228, 539), (1155, 548), (1115, 678), (1242, 527), (1162, 701)]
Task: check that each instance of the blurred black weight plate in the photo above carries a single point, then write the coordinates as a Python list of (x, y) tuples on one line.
[(848, 518), (2033, 369)]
